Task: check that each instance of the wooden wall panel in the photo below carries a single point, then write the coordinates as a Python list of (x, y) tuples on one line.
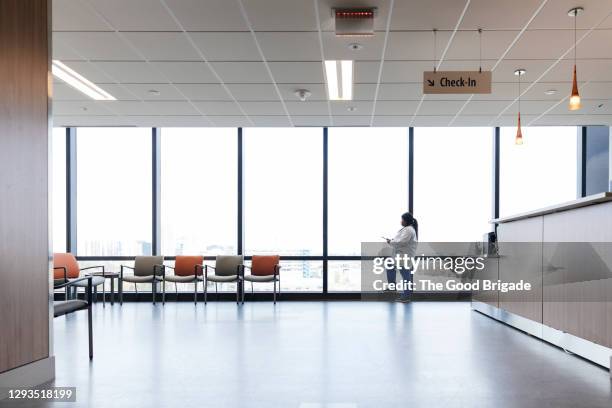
[(24, 153)]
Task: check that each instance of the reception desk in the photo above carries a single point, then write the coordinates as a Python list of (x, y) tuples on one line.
[(565, 252)]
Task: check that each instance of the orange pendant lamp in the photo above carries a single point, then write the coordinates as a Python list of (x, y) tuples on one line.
[(574, 101), (518, 140)]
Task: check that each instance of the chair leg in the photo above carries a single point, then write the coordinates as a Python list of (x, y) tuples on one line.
[(195, 292), (216, 292), (154, 289), (104, 293), (205, 281), (164, 292), (89, 322), (95, 294), (274, 291), (120, 292)]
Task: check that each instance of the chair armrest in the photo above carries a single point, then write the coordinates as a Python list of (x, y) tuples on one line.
[(277, 270), (95, 267), (65, 271), (72, 282), (121, 272)]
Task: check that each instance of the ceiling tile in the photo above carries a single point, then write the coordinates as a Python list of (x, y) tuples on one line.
[(295, 72), (319, 108), (542, 44), (352, 120), (393, 121), (79, 108), (440, 107), (100, 46), (222, 46), (253, 92), (155, 108), (276, 121), (209, 15), (135, 15), (218, 108), (204, 92), (290, 46), (70, 15), (242, 72), (263, 108), (230, 121), (163, 46), (426, 15), (399, 108), (311, 120), (357, 108), (147, 92), (499, 14), (281, 15), (184, 72)]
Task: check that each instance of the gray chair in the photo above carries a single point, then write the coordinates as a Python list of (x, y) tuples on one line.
[(147, 269), (227, 269), (62, 308)]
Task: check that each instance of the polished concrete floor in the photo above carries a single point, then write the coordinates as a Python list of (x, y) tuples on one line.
[(315, 355)]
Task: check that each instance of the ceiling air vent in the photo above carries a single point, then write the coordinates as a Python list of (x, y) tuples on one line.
[(354, 22)]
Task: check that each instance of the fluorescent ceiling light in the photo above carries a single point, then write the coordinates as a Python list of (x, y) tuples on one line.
[(77, 81), (339, 75)]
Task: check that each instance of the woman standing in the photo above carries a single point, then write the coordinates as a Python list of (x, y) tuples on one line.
[(404, 243)]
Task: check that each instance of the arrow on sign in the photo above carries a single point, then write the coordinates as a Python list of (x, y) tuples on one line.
[(430, 82)]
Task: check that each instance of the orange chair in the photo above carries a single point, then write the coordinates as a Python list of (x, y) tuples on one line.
[(264, 268), (66, 268), (187, 269)]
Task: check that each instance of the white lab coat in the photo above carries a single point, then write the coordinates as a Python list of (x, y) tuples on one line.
[(405, 242)]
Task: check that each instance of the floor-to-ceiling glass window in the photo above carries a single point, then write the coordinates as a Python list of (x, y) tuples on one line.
[(58, 189), (283, 200), (453, 183), (540, 172), (198, 191), (368, 193), (114, 199)]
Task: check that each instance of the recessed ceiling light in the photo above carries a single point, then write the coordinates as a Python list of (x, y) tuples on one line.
[(84, 108), (355, 47), (339, 77), (550, 91), (601, 105), (302, 94), (351, 109), (154, 92), (80, 83)]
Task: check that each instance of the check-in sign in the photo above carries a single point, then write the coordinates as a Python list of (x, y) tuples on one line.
[(457, 82)]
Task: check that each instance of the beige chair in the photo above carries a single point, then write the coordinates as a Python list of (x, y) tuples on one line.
[(147, 269), (227, 269), (187, 269)]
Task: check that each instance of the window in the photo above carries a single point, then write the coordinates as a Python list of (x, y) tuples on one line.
[(283, 191), (58, 189), (114, 191), (368, 185), (540, 172), (198, 191), (344, 276), (453, 183)]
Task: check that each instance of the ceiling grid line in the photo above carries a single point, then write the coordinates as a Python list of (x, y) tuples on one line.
[(501, 58), (204, 59), (382, 61), (263, 58), (143, 57)]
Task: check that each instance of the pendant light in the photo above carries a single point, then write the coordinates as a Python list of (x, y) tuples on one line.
[(518, 140), (574, 101)]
